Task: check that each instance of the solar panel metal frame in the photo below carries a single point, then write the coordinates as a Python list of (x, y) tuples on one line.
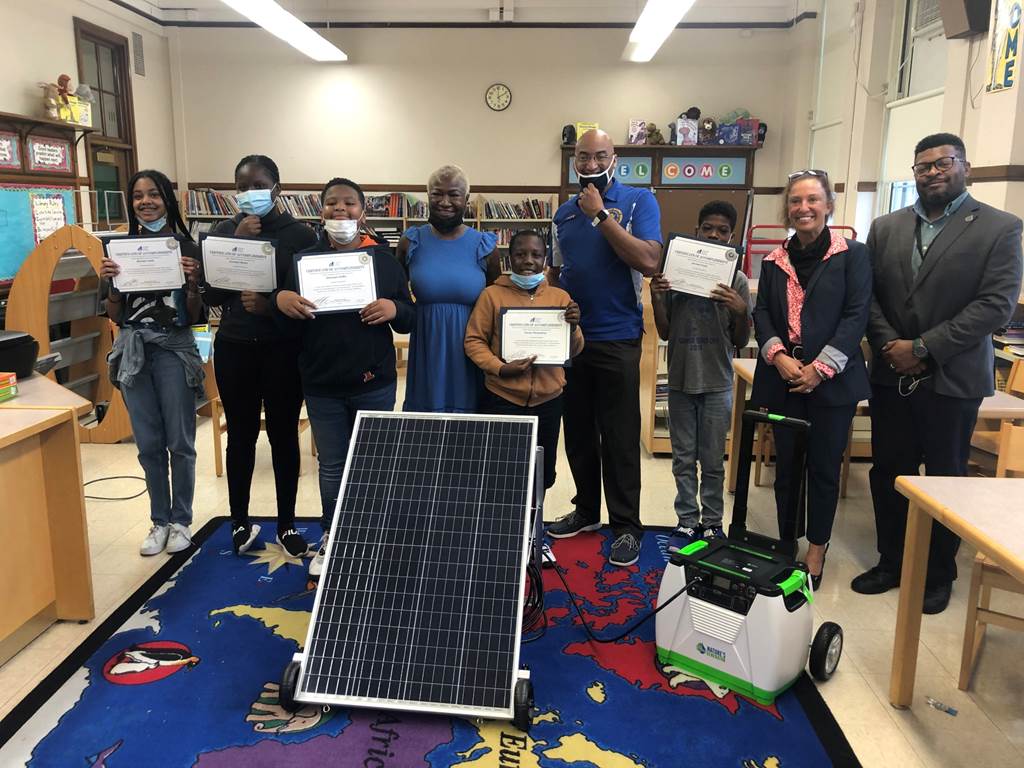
[(304, 696)]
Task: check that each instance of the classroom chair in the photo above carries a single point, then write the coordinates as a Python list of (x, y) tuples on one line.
[(985, 440), (986, 575)]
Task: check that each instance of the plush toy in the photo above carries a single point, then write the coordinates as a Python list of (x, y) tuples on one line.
[(673, 136), (693, 113), (654, 134), (63, 91), (51, 100), (60, 102), (707, 131)]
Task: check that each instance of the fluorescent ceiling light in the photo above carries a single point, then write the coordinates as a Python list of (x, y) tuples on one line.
[(656, 22), (280, 23)]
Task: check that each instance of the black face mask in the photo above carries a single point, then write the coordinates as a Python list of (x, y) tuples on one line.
[(445, 225), (599, 180)]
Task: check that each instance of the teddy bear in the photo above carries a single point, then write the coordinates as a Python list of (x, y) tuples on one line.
[(654, 134)]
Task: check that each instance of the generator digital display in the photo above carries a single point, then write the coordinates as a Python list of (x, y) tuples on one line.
[(739, 561)]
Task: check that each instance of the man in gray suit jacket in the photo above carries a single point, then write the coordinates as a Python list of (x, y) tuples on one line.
[(947, 274)]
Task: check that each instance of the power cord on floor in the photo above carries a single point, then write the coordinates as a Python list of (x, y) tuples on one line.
[(116, 498), (632, 626), (535, 620)]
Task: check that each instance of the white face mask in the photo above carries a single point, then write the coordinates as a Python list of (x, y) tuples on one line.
[(342, 231)]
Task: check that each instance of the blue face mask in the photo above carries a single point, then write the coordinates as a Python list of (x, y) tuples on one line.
[(527, 282), (255, 202), (154, 226)]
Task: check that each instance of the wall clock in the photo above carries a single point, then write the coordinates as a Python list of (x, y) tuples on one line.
[(498, 97)]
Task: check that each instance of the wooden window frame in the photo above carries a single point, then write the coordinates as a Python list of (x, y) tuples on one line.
[(93, 140)]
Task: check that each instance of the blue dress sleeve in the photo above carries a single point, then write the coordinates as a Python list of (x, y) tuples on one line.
[(412, 234), (488, 242)]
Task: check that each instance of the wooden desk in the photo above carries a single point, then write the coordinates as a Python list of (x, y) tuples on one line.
[(47, 576), (999, 406), (987, 512), (40, 392)]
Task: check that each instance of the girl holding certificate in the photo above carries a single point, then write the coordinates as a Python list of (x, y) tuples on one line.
[(812, 310), (347, 358), (520, 387), (449, 264), (257, 360), (157, 368)]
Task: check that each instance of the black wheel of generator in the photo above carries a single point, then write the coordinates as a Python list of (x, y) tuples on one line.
[(289, 681), (522, 715), (826, 650)]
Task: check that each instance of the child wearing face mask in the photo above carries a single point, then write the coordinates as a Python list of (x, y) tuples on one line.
[(256, 360), (347, 359), (518, 387), (157, 368)]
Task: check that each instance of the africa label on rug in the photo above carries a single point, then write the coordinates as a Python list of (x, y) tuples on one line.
[(191, 678)]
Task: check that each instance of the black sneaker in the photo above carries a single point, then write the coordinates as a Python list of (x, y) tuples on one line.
[(293, 543), (243, 535), (571, 524), (625, 550)]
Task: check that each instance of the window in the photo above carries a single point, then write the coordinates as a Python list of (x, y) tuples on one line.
[(922, 65), (902, 194), (103, 64)]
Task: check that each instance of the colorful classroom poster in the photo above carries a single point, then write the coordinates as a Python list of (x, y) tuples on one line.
[(1004, 61), (48, 215), (703, 171)]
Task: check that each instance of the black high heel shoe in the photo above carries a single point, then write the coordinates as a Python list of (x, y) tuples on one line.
[(816, 580)]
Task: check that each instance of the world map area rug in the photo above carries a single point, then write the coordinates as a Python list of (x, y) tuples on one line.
[(187, 671)]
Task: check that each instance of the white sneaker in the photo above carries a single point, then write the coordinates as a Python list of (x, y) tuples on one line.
[(155, 540), (179, 539), (316, 565)]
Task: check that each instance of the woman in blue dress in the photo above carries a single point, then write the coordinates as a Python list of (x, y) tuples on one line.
[(449, 264)]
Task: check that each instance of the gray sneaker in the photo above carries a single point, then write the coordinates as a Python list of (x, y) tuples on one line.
[(571, 524), (316, 565), (155, 540), (179, 539), (625, 550)]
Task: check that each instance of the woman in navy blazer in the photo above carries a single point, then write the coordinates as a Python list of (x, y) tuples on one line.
[(812, 308)]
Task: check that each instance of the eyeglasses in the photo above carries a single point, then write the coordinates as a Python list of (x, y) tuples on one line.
[(942, 164), (808, 172), (601, 157)]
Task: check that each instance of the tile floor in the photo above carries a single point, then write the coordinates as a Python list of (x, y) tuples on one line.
[(989, 730)]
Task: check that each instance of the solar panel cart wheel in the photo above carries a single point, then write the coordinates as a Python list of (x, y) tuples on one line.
[(289, 681), (523, 703)]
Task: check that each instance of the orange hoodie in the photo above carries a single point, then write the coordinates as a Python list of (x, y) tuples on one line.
[(483, 342)]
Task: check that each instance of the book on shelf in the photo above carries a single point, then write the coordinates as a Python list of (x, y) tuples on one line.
[(305, 205), (505, 233), (390, 235), (388, 206), (529, 208), (210, 202)]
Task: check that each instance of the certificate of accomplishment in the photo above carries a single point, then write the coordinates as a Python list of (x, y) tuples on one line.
[(698, 266), (337, 282), (528, 332), (147, 264), (240, 264)]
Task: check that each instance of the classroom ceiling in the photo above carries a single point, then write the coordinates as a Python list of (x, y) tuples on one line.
[(732, 12)]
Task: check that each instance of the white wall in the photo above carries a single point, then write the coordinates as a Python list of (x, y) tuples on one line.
[(410, 100), (37, 43)]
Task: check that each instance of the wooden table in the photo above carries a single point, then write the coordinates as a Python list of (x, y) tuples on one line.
[(999, 406), (45, 572), (986, 512), (40, 392)]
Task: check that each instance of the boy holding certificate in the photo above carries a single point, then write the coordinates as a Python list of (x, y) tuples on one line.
[(702, 335), (347, 356), (525, 386)]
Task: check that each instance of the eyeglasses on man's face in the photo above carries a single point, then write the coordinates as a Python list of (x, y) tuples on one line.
[(941, 164)]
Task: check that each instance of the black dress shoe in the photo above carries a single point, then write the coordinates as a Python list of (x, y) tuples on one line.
[(875, 581), (816, 580), (937, 598)]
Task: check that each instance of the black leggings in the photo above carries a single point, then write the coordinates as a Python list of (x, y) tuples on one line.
[(255, 377)]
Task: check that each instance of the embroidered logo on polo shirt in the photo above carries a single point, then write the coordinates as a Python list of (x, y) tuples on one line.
[(616, 214)]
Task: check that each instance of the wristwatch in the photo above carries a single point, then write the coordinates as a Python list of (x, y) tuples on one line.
[(601, 216), (919, 349)]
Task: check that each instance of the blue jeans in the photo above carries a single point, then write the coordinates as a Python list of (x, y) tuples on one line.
[(698, 425), (332, 420), (162, 409)]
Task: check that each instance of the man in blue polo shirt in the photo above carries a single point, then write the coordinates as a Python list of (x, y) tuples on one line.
[(603, 242)]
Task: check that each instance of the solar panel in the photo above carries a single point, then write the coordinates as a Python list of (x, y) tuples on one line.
[(420, 602)]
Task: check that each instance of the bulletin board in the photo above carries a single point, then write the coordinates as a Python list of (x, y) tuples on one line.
[(29, 214)]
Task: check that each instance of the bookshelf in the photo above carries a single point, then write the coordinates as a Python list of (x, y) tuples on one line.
[(503, 210)]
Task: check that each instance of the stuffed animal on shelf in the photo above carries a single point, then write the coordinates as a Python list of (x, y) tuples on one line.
[(654, 134), (707, 131), (60, 102)]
